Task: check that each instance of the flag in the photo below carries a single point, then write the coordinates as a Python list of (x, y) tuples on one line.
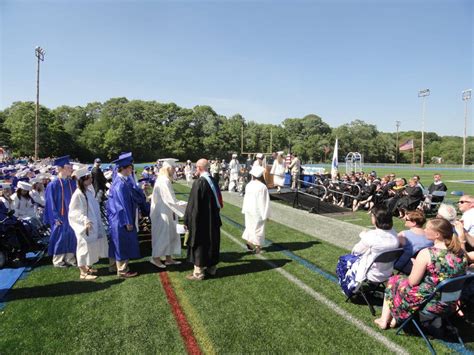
[(407, 145), (335, 162), (288, 160)]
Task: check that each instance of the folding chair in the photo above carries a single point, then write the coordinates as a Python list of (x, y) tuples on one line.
[(368, 287), (450, 291)]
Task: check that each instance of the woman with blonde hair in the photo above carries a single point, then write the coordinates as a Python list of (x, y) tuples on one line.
[(278, 171), (444, 260), (164, 213)]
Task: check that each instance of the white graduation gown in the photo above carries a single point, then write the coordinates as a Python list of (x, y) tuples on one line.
[(23, 207), (256, 208), (188, 172), (234, 168), (164, 205), (93, 245), (278, 172)]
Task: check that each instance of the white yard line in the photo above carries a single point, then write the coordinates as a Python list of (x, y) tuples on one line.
[(317, 296)]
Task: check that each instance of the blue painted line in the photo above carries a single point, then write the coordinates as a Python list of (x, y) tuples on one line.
[(288, 253)]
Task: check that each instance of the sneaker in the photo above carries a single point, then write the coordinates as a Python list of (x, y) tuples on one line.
[(128, 274)]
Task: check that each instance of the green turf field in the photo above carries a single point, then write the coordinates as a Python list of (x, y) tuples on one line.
[(283, 302)]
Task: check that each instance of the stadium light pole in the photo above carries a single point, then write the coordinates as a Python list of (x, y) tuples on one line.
[(466, 96), (39, 53), (397, 124), (423, 94)]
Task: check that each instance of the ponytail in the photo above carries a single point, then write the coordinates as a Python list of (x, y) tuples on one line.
[(444, 227)]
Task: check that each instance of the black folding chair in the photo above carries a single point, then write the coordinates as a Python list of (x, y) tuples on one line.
[(449, 291), (369, 287)]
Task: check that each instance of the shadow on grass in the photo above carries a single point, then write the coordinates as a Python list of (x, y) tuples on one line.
[(291, 246), (59, 289), (249, 267)]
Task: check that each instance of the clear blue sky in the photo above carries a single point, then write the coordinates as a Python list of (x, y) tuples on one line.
[(268, 60)]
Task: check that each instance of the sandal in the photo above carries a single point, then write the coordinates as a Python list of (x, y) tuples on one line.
[(88, 277)]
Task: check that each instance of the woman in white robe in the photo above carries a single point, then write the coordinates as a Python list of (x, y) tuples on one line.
[(85, 220), (256, 208), (189, 172), (164, 213), (278, 171)]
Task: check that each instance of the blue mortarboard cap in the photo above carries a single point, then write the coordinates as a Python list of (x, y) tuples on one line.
[(125, 159), (97, 160), (62, 161)]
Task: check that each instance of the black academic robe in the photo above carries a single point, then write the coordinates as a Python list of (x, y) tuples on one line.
[(98, 179), (203, 222)]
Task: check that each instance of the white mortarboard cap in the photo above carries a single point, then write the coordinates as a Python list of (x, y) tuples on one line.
[(188, 161), (24, 185), (35, 180), (82, 172), (234, 155), (5, 185), (281, 152), (260, 156), (257, 171), (169, 162), (108, 174)]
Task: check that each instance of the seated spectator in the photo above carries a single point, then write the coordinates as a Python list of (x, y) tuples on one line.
[(436, 186), (395, 192), (412, 240), (405, 294), (410, 198), (352, 268)]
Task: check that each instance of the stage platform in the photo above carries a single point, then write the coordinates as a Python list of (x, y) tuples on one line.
[(306, 202)]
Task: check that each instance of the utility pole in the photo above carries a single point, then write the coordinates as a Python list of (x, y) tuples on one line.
[(423, 93), (39, 53), (466, 96), (397, 124)]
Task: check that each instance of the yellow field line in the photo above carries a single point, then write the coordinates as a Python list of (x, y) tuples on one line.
[(198, 326)]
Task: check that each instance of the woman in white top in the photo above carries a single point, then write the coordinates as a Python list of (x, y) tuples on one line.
[(37, 195), (164, 213), (353, 268), (22, 202), (85, 220), (278, 171), (255, 207)]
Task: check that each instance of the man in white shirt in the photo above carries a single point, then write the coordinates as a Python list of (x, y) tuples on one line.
[(466, 206)]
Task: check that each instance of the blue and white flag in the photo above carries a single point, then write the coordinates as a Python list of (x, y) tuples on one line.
[(335, 162)]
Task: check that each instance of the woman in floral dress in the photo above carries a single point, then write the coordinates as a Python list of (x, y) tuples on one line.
[(444, 260)]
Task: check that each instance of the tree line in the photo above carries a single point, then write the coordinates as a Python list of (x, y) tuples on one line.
[(154, 130)]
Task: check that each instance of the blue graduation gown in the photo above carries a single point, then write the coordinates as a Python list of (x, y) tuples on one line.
[(121, 210), (57, 199)]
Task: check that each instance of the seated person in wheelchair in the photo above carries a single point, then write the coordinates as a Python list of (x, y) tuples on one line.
[(353, 268), (412, 240), (445, 259)]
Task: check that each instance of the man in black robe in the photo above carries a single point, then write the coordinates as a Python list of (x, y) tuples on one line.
[(203, 222), (98, 180)]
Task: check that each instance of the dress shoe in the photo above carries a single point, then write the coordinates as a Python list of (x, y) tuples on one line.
[(128, 275), (173, 262), (161, 266)]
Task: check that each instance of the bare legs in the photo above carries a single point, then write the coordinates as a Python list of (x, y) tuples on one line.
[(386, 318)]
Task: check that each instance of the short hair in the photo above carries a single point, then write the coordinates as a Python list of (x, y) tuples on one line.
[(121, 168), (416, 216), (447, 212), (383, 217)]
